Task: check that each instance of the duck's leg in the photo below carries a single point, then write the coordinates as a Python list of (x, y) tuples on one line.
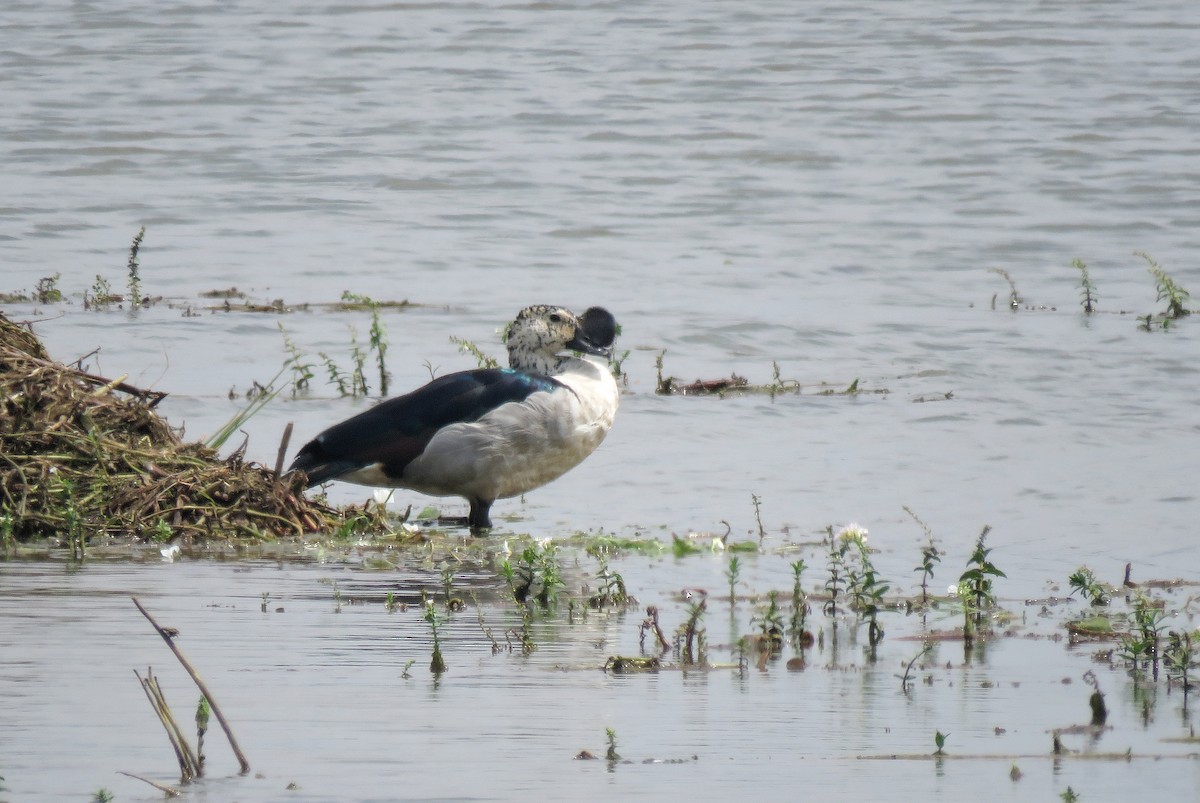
[(479, 518)]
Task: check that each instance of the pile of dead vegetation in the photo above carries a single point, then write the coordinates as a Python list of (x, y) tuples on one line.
[(83, 456)]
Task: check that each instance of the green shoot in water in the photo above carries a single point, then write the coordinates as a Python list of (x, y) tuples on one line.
[(135, 281), (1086, 289), (976, 586)]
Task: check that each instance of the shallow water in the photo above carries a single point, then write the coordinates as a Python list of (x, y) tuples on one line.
[(315, 694), (824, 187)]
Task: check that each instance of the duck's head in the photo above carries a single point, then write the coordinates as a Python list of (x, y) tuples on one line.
[(542, 332)]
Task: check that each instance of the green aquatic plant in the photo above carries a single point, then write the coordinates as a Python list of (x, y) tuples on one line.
[(762, 532), (446, 571), (536, 575), (1086, 289), (799, 620), (377, 336), (73, 528), (939, 741), (135, 281), (864, 589), (769, 621), (905, 681), (689, 637), (162, 532), (611, 736), (302, 371), (482, 359), (664, 385), (611, 590), (1168, 291), (203, 712), (8, 539), (930, 557), (46, 291), (101, 297), (975, 585), (1083, 581), (437, 664), (733, 573), (1140, 646), (256, 402), (836, 566), (1179, 656)]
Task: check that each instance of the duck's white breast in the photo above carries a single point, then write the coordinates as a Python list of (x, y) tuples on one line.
[(522, 445)]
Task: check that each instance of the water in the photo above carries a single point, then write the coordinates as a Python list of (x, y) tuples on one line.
[(825, 187)]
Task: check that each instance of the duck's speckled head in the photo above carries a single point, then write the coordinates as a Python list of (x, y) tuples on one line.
[(542, 332)]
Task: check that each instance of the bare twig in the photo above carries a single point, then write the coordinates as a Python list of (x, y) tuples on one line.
[(283, 447), (168, 635), (166, 790)]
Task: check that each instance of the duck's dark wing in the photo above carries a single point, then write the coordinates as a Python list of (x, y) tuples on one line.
[(394, 432)]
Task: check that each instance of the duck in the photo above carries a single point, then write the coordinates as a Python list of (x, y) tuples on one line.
[(488, 433)]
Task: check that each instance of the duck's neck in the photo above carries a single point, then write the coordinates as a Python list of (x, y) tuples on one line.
[(540, 363)]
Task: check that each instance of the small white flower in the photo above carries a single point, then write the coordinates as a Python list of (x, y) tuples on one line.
[(853, 533)]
